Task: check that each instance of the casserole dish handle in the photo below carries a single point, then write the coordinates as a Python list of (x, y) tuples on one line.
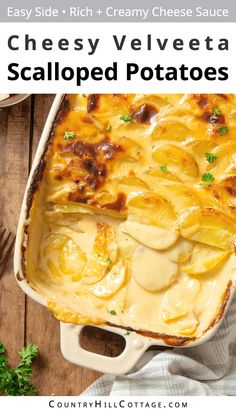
[(73, 352)]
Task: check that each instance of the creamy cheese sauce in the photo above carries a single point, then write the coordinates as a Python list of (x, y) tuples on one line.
[(156, 294), (134, 221)]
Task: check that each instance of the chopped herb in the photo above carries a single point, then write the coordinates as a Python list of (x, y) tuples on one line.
[(223, 130), (83, 94), (217, 111), (112, 312), (164, 168), (68, 135), (208, 178), (126, 118), (109, 128), (27, 354), (15, 381), (108, 260), (210, 157), (127, 333)]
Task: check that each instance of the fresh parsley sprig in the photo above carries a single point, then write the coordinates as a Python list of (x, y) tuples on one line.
[(15, 381), (207, 179), (109, 128), (164, 168), (217, 111), (69, 135), (112, 312), (223, 130), (210, 157), (126, 118)]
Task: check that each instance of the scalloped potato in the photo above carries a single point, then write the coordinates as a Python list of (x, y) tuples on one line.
[(132, 221)]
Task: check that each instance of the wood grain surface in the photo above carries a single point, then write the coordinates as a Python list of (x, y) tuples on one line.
[(23, 321)]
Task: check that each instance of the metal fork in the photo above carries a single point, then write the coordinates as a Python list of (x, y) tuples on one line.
[(7, 241)]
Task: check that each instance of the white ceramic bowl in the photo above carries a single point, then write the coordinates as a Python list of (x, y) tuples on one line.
[(12, 100)]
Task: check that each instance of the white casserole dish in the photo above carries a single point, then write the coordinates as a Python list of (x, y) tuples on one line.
[(136, 344)]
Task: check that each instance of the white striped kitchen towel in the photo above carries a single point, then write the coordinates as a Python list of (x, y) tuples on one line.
[(206, 370)]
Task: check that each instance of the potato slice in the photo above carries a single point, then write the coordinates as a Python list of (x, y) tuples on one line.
[(161, 175), (131, 150), (200, 147), (187, 325), (181, 251), (112, 282), (72, 260), (180, 299), (129, 186), (53, 242), (152, 209), (149, 235), (156, 101), (177, 160), (205, 258), (171, 130), (153, 270), (226, 155), (56, 165), (104, 253), (179, 196), (129, 181), (126, 244), (210, 227)]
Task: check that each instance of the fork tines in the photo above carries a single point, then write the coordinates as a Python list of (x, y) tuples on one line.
[(7, 241)]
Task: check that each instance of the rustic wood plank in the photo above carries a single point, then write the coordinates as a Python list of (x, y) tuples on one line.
[(14, 154)]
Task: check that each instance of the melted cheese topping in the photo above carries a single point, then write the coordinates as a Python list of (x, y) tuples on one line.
[(134, 220)]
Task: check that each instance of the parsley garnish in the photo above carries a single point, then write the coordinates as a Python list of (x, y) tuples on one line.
[(164, 168), (217, 111), (112, 312), (126, 118), (210, 157), (69, 135), (127, 333), (208, 178), (223, 130), (108, 260), (15, 381), (83, 94), (109, 128)]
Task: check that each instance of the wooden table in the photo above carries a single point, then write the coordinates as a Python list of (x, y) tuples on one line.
[(23, 321)]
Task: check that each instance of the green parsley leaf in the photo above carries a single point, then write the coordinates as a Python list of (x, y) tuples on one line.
[(3, 362), (210, 157), (68, 135), (126, 118), (27, 354), (127, 333), (109, 128), (108, 260), (217, 111), (208, 178), (2, 348), (15, 381), (164, 168), (112, 312), (223, 130)]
